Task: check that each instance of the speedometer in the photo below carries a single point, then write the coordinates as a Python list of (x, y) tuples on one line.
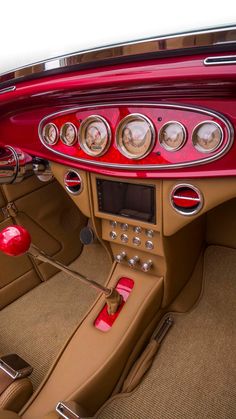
[(135, 136)]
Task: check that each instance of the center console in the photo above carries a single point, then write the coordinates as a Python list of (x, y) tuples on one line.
[(130, 214)]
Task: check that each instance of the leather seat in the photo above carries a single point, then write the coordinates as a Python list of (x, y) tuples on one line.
[(6, 414)]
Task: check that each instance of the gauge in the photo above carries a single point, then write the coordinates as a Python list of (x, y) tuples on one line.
[(68, 134), (50, 134), (207, 136), (135, 136), (95, 135), (172, 136)]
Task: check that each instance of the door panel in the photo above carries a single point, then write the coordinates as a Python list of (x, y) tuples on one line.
[(54, 223)]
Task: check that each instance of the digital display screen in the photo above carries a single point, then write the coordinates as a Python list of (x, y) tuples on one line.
[(127, 200)]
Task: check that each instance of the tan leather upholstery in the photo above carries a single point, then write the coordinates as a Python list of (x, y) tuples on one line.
[(16, 395), (6, 414), (93, 359), (54, 223)]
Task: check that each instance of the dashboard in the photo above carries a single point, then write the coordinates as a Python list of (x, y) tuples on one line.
[(137, 137)]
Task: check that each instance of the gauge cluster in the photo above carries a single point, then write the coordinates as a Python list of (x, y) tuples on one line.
[(137, 136)]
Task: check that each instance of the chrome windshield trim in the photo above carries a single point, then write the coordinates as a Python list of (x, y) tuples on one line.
[(219, 38), (221, 153), (220, 60)]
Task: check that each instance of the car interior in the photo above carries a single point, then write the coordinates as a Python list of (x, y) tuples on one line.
[(118, 233)]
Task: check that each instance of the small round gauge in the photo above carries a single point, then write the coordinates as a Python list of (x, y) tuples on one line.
[(207, 136), (95, 135), (68, 134), (172, 136), (135, 136), (50, 134)]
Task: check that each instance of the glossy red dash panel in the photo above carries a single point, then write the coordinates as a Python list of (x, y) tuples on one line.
[(158, 115), (104, 321)]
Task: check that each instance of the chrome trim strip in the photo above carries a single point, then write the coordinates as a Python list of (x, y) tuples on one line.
[(7, 90), (154, 47), (220, 60), (222, 152), (187, 185)]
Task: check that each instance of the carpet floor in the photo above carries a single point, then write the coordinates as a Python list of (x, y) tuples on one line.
[(37, 325), (194, 374)]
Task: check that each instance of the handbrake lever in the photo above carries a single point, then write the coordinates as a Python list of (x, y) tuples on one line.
[(15, 241)]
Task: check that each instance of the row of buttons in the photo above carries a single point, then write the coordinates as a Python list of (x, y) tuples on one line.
[(137, 229), (136, 240)]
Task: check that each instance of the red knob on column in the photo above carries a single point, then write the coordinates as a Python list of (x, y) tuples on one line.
[(14, 240)]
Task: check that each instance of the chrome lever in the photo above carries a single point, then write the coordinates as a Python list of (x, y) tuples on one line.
[(15, 241)]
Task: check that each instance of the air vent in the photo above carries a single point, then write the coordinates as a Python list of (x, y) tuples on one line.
[(186, 199), (73, 182)]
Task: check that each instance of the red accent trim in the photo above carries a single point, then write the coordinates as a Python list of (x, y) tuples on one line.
[(180, 80), (104, 321), (14, 240), (159, 155)]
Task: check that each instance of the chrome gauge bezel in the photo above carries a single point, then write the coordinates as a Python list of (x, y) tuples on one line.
[(119, 142), (228, 131), (63, 134), (82, 129), (165, 146), (45, 135), (201, 149)]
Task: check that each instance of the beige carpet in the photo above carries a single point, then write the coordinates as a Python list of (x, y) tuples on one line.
[(37, 325), (194, 374)]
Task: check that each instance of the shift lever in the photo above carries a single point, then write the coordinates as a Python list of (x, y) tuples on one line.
[(16, 241)]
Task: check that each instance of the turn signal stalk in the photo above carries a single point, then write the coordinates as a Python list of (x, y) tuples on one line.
[(16, 241)]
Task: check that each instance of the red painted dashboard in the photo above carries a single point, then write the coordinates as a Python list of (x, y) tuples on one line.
[(178, 89)]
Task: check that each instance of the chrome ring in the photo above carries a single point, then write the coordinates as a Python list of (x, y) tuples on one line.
[(199, 148), (122, 149), (187, 185), (50, 124), (62, 135), (164, 145), (83, 126)]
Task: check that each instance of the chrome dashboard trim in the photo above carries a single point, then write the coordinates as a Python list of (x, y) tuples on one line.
[(221, 153), (220, 60), (7, 90), (219, 38)]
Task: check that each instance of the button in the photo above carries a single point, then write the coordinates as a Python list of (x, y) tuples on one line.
[(113, 223), (136, 241), (124, 238), (146, 266), (149, 233), (149, 245), (137, 229), (133, 261), (113, 235), (124, 226)]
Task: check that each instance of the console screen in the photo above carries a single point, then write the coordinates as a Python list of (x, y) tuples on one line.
[(127, 200)]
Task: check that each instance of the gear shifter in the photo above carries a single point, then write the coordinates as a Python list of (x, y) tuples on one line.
[(16, 241)]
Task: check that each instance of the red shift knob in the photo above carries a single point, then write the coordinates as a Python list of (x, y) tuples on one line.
[(14, 240)]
